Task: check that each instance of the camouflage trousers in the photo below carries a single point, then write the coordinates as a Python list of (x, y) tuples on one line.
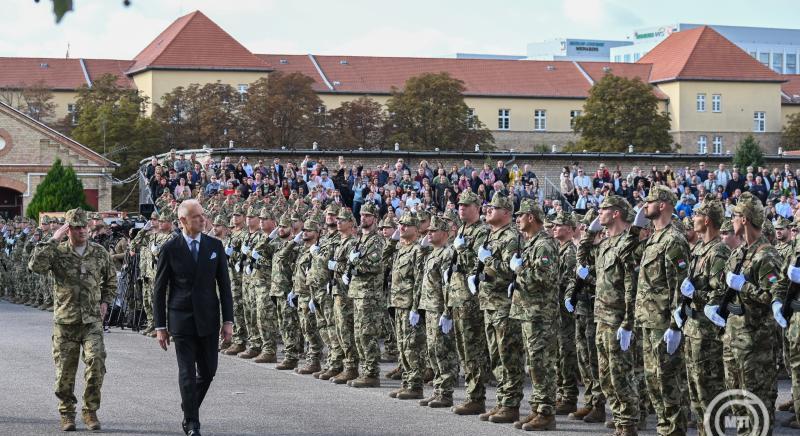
[(442, 352), (410, 342), (266, 316), (567, 373), (616, 375), (586, 350), (239, 320), (289, 323), (792, 337), (665, 376), (308, 326), (705, 373), (249, 308), (326, 325), (389, 334), (147, 301), (504, 340), (542, 354), (472, 350), (367, 315), (747, 354), (343, 308), (68, 340)]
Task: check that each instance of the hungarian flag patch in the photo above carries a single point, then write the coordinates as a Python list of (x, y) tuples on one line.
[(681, 264), (772, 278), (545, 260)]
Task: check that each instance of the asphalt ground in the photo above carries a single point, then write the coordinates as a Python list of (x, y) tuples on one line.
[(140, 395)]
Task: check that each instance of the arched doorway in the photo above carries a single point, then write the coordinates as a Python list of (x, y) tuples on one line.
[(10, 203)]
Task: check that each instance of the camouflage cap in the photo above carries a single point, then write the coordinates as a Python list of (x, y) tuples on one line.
[(332, 209), (750, 207), (767, 228), (661, 193), (564, 219), (688, 225), (614, 201), (369, 208), (387, 223), (166, 215), (712, 209), (311, 225), (530, 206), (408, 219), (237, 210), (285, 221), (220, 220), (252, 211), (61, 220), (423, 215), (77, 218), (154, 215), (295, 217), (95, 216), (452, 216), (678, 223), (345, 214), (438, 223), (500, 201), (590, 215), (727, 226), (265, 214), (781, 223), (469, 197)]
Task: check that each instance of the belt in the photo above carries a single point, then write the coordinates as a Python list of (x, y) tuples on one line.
[(735, 309), (795, 305)]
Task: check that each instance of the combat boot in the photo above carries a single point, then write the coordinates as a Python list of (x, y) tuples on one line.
[(152, 334), (627, 430), (49, 308), (365, 382), (410, 394), (580, 413), (427, 376), (330, 373), (393, 393), (563, 408), (309, 368), (441, 401), (42, 306), (286, 365), (470, 408), (525, 420), (541, 422), (610, 424), (249, 353), (391, 374), (786, 407), (233, 350), (506, 415), (67, 422), (91, 421), (426, 401), (345, 376), (597, 415), (266, 357), (486, 415), (388, 357), (223, 345)]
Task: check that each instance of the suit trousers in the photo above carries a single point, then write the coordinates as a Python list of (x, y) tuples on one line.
[(197, 365)]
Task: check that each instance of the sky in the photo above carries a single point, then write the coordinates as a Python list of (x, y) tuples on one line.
[(426, 28)]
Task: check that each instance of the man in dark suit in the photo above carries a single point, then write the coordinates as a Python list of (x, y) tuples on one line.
[(192, 266)]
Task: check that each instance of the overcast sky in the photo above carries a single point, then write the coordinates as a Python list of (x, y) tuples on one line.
[(106, 29)]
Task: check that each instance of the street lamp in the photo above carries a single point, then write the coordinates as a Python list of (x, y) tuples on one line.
[(396, 146)]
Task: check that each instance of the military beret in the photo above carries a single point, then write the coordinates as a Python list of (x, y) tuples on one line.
[(781, 223), (469, 197), (311, 225), (220, 220), (661, 193), (712, 209), (751, 208), (77, 218), (408, 219), (500, 201), (564, 219), (438, 223), (369, 208), (345, 214)]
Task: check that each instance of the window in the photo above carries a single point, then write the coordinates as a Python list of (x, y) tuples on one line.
[(777, 62), (764, 59), (718, 145), (471, 118), (702, 144), (321, 116), (701, 102), (759, 121), (243, 91), (540, 119), (791, 63), (73, 115), (753, 54), (716, 103), (617, 58), (636, 56), (572, 116), (626, 58), (504, 119)]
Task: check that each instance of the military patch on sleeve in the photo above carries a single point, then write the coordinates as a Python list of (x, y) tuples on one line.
[(545, 260), (772, 278), (681, 263)]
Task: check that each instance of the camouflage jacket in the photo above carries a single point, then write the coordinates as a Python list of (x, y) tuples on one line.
[(366, 271), (497, 274), (762, 270), (707, 270), (81, 282), (249, 242), (319, 276), (283, 267), (785, 249), (302, 266), (566, 272), (346, 245), (466, 262), (406, 263), (236, 258), (615, 286), (263, 266), (431, 296), (536, 287), (583, 289), (664, 265)]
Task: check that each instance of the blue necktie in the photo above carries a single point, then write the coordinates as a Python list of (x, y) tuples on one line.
[(194, 250)]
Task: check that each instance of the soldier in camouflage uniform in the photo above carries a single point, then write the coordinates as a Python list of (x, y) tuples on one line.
[(141, 246), (250, 239), (702, 345), (467, 315), (261, 261), (786, 302), (364, 278), (343, 309), (503, 333), (235, 269), (664, 266), (388, 227), (749, 338), (283, 261), (534, 303), (567, 373), (785, 247), (85, 287), (304, 299)]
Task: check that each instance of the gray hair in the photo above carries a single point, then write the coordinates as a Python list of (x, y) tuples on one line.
[(185, 206)]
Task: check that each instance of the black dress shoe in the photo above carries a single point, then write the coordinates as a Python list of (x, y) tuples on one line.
[(185, 426), (194, 432)]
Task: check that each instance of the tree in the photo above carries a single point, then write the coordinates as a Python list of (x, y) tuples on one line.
[(35, 100), (791, 132), (748, 154), (60, 191), (357, 123), (621, 112), (281, 111), (429, 112)]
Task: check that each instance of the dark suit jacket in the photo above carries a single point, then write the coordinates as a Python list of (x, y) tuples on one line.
[(191, 306)]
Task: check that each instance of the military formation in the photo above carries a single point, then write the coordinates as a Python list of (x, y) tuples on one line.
[(651, 314)]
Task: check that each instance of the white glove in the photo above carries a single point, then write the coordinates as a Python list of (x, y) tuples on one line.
[(776, 313), (687, 288), (154, 249), (255, 255), (425, 242), (312, 307), (568, 305), (298, 238), (273, 234), (793, 273), (712, 313), (446, 324), (353, 255), (245, 250), (346, 279), (396, 235), (510, 289), (314, 249), (640, 220), (332, 265), (413, 318), (328, 288), (515, 263), (595, 226), (471, 285), (676, 315), (290, 299), (673, 339), (583, 272), (736, 281), (624, 338), (228, 250), (148, 226), (459, 242), (484, 253), (26, 230), (446, 277)]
